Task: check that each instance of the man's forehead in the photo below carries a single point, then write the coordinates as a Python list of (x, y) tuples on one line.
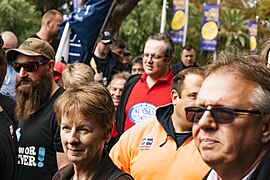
[(185, 51), (221, 87), (155, 47), (192, 81)]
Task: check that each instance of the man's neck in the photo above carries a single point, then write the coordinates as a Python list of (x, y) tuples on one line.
[(44, 35), (151, 80), (179, 126), (54, 88)]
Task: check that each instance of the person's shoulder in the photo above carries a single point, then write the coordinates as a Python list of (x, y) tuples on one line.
[(35, 36), (141, 128), (65, 172), (125, 176), (133, 77), (6, 101), (177, 67), (8, 106), (113, 57), (59, 91)]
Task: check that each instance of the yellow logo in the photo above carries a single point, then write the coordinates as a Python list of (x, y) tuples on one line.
[(178, 20), (209, 30), (252, 43)]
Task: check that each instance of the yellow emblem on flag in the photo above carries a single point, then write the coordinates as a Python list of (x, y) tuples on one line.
[(252, 43), (178, 20), (209, 30)]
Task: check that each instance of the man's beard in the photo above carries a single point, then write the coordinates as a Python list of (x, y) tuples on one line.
[(31, 98)]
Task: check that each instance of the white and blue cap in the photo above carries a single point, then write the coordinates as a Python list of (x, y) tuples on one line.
[(106, 37)]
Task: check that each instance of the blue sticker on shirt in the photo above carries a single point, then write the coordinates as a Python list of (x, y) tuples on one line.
[(18, 134), (146, 143), (142, 111)]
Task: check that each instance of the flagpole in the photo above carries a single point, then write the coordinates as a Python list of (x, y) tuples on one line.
[(186, 23), (107, 17), (163, 17), (215, 52), (105, 22)]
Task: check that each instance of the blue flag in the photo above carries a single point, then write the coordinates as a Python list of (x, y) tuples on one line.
[(86, 23), (209, 30)]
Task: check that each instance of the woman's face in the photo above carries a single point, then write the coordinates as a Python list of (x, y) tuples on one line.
[(83, 139)]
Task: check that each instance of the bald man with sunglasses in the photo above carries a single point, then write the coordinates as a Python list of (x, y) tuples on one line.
[(40, 149), (231, 120)]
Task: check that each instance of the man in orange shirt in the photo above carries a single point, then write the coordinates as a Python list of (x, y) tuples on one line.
[(163, 147)]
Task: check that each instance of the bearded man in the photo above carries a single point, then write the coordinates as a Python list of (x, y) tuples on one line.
[(40, 149)]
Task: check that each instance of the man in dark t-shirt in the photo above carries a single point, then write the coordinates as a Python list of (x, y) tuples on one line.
[(49, 30), (40, 152), (104, 62)]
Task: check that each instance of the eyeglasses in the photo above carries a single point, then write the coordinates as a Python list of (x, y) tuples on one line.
[(29, 66), (154, 57), (220, 114)]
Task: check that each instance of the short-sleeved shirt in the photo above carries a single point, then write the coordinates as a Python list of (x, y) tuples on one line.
[(39, 140), (143, 101)]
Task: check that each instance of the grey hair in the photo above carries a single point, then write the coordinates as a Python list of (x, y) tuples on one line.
[(249, 67)]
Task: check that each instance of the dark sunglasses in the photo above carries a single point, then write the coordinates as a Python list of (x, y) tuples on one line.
[(220, 114), (29, 66)]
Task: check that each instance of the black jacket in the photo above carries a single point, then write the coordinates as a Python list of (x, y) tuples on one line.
[(111, 64), (107, 171), (262, 171), (180, 66)]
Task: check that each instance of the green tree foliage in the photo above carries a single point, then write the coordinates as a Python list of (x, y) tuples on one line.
[(263, 12), (43, 6), (20, 17), (142, 22), (233, 29), (24, 18)]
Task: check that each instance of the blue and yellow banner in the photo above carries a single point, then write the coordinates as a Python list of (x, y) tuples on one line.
[(252, 33), (176, 31), (209, 29)]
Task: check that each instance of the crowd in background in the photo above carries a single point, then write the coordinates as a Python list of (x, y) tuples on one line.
[(126, 116)]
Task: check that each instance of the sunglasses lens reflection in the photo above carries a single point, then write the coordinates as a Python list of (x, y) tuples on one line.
[(29, 67)]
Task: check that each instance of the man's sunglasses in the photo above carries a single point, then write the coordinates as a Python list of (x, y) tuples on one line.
[(29, 66), (220, 114)]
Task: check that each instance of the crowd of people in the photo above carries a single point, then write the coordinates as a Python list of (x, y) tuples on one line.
[(123, 118)]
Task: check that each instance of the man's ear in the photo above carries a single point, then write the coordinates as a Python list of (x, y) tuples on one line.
[(51, 65), (47, 23), (170, 60), (108, 136), (266, 129), (174, 96)]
